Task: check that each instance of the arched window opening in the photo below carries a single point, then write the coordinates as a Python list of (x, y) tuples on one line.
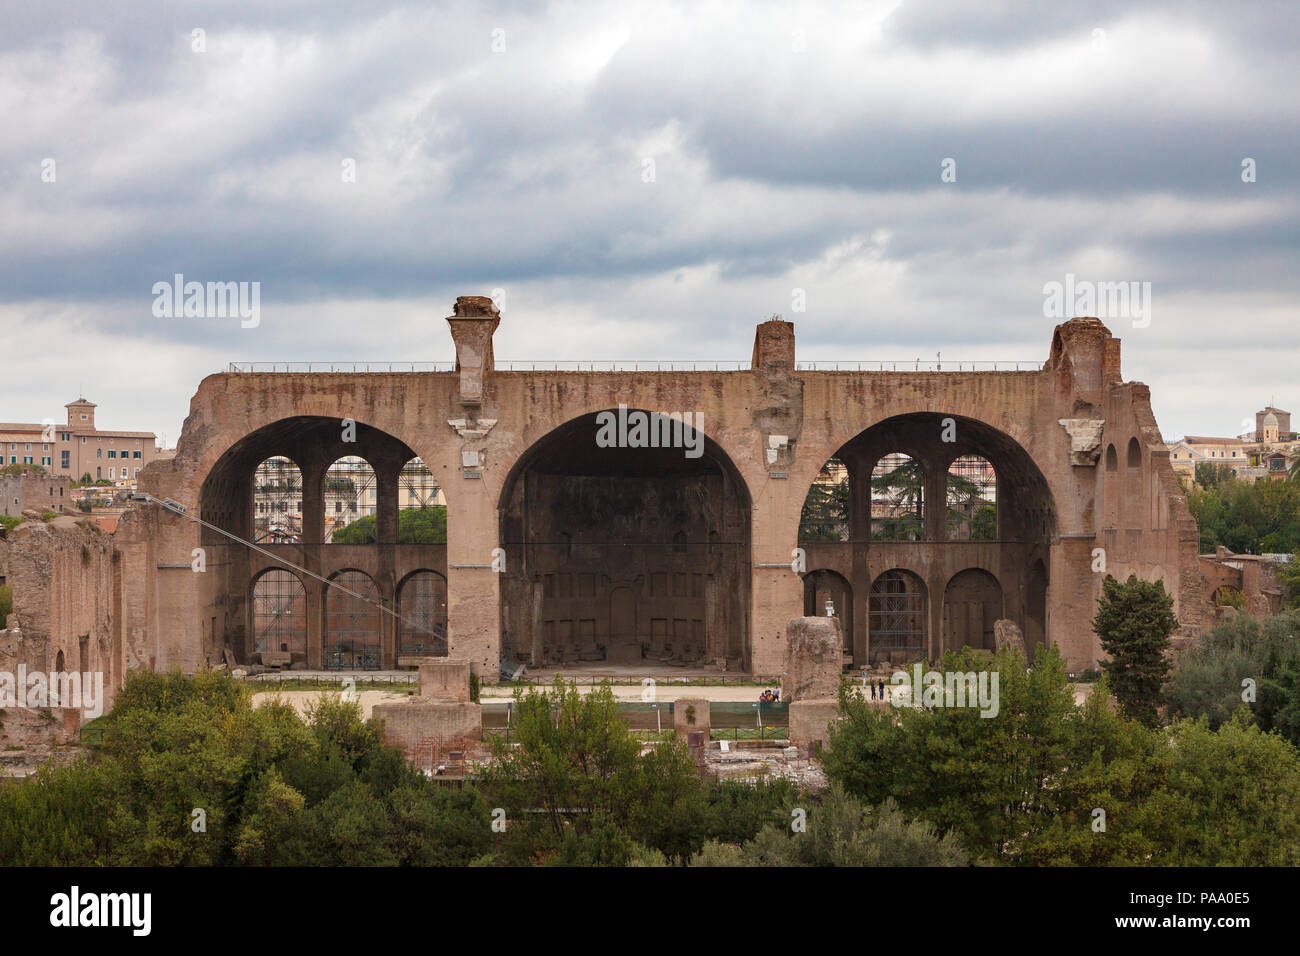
[(350, 495), (897, 499), (972, 499)]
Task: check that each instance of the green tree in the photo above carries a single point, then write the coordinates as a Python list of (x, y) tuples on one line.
[(1211, 474), (1235, 797), (1239, 654), (842, 831), (825, 514), (1115, 766), (426, 525), (1248, 518), (1289, 576), (1134, 620), (903, 485), (984, 526), (578, 768), (985, 779)]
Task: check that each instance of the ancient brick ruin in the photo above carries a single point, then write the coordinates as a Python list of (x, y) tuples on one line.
[(563, 551)]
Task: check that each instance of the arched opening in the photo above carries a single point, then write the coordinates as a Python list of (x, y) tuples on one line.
[(825, 514), (628, 553), (972, 495), (899, 611), (1227, 596), (937, 493), (277, 502), (897, 498), (1110, 489), (422, 609), (423, 515), (279, 618), (55, 684), (351, 489), (351, 497), (824, 587), (972, 603), (352, 622), (1132, 504)]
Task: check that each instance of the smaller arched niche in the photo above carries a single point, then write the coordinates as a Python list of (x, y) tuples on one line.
[(823, 587), (899, 610), (972, 602), (351, 502), (352, 622), (1134, 453), (422, 613), (279, 616)]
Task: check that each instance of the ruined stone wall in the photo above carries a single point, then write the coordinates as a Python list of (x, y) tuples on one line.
[(1255, 577), (1144, 526), (64, 575), (775, 425)]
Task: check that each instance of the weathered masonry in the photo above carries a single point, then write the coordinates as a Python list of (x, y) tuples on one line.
[(564, 549)]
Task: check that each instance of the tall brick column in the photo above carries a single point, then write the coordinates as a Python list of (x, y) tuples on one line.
[(777, 592), (473, 588)]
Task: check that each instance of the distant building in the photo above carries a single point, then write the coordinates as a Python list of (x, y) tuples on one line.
[(1276, 418), (1252, 455), (78, 448)]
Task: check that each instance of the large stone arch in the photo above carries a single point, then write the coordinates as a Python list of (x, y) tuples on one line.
[(934, 440), (617, 555), (226, 504)]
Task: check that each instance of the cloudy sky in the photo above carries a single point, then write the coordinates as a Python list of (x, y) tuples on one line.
[(645, 181)]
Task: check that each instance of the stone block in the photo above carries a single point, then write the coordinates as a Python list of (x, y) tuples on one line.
[(444, 679), (691, 714), (1007, 634), (810, 720), (813, 660)]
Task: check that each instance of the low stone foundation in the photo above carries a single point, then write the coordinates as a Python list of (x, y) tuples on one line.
[(810, 720), (423, 728), (440, 721)]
